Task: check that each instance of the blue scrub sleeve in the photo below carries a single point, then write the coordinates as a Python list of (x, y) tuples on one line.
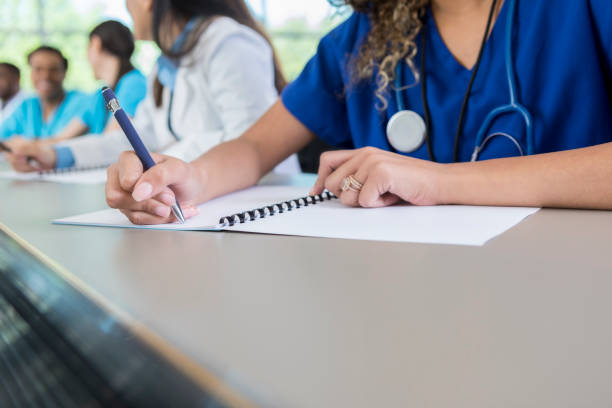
[(317, 97), (87, 114), (65, 158), (132, 91), (13, 125)]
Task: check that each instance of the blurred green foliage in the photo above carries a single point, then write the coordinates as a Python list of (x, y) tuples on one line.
[(296, 42), (24, 25), (63, 27)]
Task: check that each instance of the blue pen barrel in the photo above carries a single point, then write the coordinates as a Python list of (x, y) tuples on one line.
[(132, 135), (130, 132), (126, 125)]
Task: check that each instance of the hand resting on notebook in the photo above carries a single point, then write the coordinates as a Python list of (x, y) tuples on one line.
[(386, 178)]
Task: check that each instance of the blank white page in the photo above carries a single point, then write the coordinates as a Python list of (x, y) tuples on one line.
[(460, 225)]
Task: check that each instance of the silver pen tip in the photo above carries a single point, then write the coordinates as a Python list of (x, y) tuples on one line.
[(178, 213)]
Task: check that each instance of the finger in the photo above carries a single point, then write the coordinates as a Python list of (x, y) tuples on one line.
[(335, 180), (122, 200), (375, 193), (129, 170), (25, 148), (21, 164), (351, 197), (40, 156), (26, 156), (145, 218), (117, 197), (14, 142), (159, 158), (33, 163), (329, 162), (167, 197), (156, 180), (160, 206)]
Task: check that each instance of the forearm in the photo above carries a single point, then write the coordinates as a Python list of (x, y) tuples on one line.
[(242, 162), (579, 178), (75, 128), (91, 150), (228, 167)]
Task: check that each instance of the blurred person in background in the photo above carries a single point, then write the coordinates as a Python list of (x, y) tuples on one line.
[(11, 94), (217, 74), (52, 109), (111, 45)]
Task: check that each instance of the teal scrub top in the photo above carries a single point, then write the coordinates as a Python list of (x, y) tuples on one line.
[(27, 120), (130, 90)]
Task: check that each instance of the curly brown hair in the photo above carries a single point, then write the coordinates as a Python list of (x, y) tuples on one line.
[(395, 25)]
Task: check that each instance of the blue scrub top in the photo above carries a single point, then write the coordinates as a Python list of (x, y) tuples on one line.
[(27, 120), (130, 90), (563, 60)]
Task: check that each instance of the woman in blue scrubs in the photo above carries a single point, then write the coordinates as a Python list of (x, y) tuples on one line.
[(452, 56)]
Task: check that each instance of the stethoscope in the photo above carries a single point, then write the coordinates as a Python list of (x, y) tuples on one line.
[(167, 69), (407, 130)]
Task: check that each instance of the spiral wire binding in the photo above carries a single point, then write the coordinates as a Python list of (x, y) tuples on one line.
[(271, 210), (73, 169)]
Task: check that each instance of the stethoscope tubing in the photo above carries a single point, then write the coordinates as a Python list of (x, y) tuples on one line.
[(514, 107)]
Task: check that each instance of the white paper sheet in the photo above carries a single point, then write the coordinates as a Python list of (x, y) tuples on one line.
[(459, 225), (95, 176)]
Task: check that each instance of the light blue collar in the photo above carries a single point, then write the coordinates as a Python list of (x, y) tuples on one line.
[(167, 67)]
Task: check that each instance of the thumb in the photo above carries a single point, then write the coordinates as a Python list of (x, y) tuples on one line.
[(155, 180), (328, 163)]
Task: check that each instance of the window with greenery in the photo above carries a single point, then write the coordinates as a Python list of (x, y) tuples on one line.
[(25, 24)]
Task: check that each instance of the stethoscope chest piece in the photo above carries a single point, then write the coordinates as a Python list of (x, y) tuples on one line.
[(406, 131)]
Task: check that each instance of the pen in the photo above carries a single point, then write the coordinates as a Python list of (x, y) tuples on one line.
[(5, 148), (130, 132)]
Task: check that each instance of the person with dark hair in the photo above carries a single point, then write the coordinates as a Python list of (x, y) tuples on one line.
[(11, 94), (44, 115), (473, 102), (217, 75), (111, 45)]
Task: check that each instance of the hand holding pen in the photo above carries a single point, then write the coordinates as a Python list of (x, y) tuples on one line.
[(144, 197), (139, 148), (27, 155)]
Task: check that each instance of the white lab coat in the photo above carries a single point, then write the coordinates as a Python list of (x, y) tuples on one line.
[(222, 87), (11, 105)]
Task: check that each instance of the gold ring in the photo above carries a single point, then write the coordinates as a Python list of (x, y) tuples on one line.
[(355, 183), (351, 183), (345, 184)]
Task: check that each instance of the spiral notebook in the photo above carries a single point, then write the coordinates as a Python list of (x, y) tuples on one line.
[(276, 210), (70, 175)]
